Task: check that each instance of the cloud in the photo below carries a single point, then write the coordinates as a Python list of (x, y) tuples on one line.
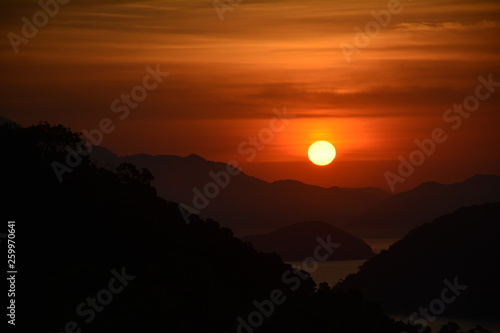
[(445, 26), (266, 54)]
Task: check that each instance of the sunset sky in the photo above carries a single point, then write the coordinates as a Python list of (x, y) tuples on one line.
[(226, 77)]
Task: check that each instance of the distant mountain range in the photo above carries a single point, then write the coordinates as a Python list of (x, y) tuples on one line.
[(462, 245), (298, 241), (398, 214), (247, 205)]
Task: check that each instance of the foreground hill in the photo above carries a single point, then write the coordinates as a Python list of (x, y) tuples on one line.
[(297, 242), (462, 246), (398, 214), (101, 252), (7, 121), (247, 204)]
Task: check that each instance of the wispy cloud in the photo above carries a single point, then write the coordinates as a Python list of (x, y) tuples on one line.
[(446, 26), (265, 55)]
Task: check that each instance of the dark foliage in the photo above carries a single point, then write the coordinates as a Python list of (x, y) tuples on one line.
[(461, 245)]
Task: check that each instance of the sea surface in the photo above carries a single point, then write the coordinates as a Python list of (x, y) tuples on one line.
[(333, 271)]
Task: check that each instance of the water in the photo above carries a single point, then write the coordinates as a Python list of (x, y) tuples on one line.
[(333, 271), (379, 244)]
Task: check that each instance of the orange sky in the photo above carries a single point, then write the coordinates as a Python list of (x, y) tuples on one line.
[(227, 77)]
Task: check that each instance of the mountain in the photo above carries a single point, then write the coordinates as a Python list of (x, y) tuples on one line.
[(101, 252), (297, 242), (7, 121), (461, 248), (249, 205), (394, 216), (241, 202)]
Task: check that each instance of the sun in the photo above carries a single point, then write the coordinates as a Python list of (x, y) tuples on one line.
[(322, 153)]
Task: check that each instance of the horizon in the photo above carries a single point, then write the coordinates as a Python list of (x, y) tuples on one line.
[(249, 167), (326, 187), (205, 82)]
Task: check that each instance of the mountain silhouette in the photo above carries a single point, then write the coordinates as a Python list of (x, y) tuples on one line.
[(394, 216), (461, 246), (7, 121), (101, 252), (247, 204), (297, 242)]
